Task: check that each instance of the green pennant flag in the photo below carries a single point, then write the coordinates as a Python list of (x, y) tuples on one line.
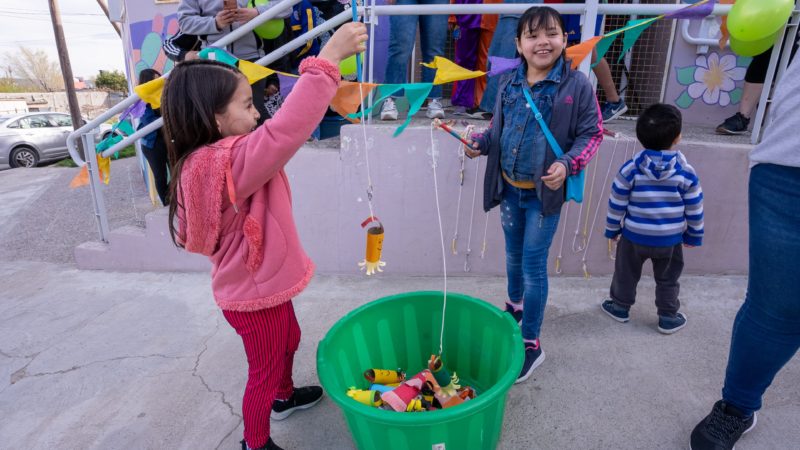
[(633, 29), (415, 92), (602, 47)]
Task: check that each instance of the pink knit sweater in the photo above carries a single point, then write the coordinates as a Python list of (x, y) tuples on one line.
[(257, 258)]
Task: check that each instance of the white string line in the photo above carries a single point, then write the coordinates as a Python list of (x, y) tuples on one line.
[(366, 152), (467, 266), (441, 235), (594, 220), (462, 156), (563, 235)]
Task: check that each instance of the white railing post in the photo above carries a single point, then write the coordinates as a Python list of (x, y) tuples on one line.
[(98, 202), (587, 32)]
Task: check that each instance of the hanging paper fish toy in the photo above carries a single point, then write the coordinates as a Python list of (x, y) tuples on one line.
[(372, 262)]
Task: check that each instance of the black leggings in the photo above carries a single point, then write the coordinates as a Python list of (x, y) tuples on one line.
[(757, 70), (157, 159)]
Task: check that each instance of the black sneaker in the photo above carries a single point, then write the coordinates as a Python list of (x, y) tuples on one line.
[(735, 124), (268, 446), (618, 313), (477, 113), (534, 357), (302, 398), (517, 315), (721, 429), (669, 325)]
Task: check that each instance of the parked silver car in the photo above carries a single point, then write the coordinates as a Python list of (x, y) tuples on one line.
[(29, 139)]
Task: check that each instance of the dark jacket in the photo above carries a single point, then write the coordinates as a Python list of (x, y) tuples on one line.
[(576, 124)]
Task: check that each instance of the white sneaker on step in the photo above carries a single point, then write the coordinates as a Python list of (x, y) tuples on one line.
[(435, 110), (388, 110)]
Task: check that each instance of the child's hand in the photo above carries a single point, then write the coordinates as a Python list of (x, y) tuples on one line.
[(244, 15), (472, 151), (225, 18), (556, 175), (348, 40), (689, 246), (616, 238)]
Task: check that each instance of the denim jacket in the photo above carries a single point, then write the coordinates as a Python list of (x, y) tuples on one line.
[(522, 141), (576, 124)]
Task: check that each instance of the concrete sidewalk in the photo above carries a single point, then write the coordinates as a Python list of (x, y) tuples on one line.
[(146, 361)]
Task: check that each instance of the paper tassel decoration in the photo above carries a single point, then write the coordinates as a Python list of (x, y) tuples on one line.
[(372, 262)]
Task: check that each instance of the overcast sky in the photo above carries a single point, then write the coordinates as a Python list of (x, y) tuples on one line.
[(91, 40)]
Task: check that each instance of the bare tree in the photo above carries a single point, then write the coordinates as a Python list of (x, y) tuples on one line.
[(35, 66)]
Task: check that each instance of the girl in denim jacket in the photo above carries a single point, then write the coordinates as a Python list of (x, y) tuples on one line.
[(523, 174)]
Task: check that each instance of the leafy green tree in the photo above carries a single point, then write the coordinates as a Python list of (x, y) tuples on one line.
[(113, 80)]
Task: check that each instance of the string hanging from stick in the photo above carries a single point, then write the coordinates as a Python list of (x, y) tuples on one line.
[(441, 235)]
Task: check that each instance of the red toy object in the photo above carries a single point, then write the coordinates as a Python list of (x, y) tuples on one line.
[(438, 123), (400, 397)]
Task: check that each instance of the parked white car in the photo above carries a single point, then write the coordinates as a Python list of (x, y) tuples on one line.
[(32, 138)]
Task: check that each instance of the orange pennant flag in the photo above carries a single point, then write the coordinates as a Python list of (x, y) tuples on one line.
[(724, 35), (579, 52), (81, 179), (348, 97)]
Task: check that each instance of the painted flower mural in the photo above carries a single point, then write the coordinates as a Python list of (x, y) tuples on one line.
[(713, 79), (147, 37)]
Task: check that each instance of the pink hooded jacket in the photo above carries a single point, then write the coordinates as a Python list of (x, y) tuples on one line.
[(257, 260)]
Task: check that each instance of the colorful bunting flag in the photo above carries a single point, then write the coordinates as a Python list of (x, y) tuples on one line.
[(502, 65), (447, 71), (696, 11), (602, 48), (349, 98), (580, 51), (150, 92), (253, 71), (633, 30)]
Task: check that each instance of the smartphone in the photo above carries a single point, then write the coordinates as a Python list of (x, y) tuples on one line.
[(229, 4)]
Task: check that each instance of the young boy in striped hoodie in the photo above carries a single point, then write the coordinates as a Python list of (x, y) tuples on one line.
[(655, 208)]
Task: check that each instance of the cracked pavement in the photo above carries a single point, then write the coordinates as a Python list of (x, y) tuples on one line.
[(92, 360)]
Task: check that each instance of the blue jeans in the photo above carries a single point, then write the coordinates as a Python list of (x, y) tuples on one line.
[(528, 237), (403, 33), (504, 46), (766, 331)]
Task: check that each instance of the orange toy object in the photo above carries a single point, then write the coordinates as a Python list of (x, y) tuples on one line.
[(372, 262)]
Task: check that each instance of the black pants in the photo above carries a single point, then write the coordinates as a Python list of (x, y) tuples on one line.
[(157, 159), (667, 268)]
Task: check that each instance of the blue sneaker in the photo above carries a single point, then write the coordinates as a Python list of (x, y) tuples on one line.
[(534, 357), (517, 315), (612, 110), (616, 312), (669, 325)]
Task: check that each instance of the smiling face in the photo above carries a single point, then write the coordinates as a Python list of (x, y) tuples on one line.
[(540, 41), (240, 116)]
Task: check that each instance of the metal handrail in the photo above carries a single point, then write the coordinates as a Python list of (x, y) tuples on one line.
[(227, 39), (280, 52)]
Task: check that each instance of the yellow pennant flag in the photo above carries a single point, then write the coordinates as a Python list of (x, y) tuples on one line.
[(104, 169), (447, 71), (150, 92), (253, 71)]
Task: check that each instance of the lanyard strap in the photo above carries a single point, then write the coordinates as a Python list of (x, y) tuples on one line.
[(538, 115)]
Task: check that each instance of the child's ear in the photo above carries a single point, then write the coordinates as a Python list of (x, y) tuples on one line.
[(677, 140), (519, 49)]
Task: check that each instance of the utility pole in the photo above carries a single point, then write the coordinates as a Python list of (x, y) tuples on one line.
[(66, 68), (104, 7)]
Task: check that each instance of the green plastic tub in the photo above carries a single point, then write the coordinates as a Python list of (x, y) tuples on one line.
[(482, 344)]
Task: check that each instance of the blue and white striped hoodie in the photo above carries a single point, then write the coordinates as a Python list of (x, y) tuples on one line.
[(656, 201)]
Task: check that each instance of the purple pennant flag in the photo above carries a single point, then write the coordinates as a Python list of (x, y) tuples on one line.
[(696, 11), (502, 65), (135, 111), (287, 83)]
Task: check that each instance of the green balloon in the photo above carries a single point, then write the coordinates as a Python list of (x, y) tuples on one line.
[(755, 20), (270, 29), (348, 65), (752, 48)]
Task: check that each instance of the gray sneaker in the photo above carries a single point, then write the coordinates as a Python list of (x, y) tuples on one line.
[(388, 110), (435, 110)]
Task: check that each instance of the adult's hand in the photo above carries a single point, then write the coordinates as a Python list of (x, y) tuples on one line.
[(244, 15), (225, 18)]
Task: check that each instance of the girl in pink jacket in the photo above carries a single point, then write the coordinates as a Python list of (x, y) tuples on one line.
[(232, 203)]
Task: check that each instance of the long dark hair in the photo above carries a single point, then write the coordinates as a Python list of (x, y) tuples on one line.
[(194, 92)]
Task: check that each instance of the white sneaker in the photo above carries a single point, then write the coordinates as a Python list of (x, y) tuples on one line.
[(388, 110), (435, 110)]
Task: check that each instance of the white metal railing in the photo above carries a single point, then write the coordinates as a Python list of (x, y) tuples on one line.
[(589, 10)]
